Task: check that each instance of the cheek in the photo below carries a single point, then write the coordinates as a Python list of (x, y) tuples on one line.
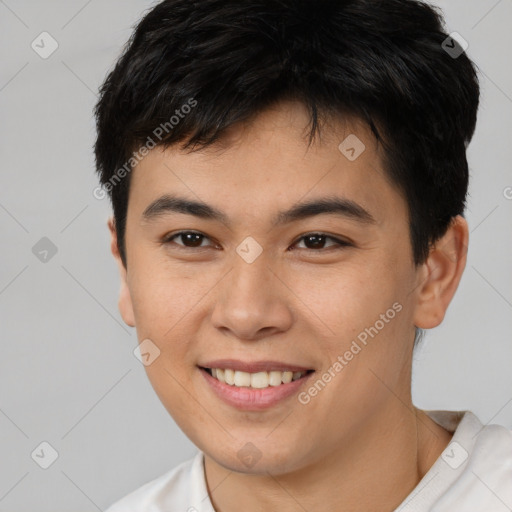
[(343, 300), (163, 296), (362, 319), (165, 302)]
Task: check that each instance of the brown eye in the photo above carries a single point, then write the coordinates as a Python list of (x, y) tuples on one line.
[(316, 241), (189, 239)]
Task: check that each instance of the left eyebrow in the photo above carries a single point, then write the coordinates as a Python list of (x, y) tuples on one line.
[(328, 205)]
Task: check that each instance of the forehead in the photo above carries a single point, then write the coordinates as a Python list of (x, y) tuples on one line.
[(258, 168)]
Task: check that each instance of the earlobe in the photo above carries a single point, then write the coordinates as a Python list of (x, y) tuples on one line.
[(125, 301), (441, 274)]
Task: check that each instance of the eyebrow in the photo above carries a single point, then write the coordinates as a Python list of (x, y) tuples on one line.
[(332, 205)]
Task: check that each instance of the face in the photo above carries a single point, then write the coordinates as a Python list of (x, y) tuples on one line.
[(326, 289)]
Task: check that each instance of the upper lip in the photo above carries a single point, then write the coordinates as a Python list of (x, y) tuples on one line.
[(254, 366)]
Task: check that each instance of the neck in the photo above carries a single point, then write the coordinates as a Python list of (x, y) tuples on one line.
[(373, 470)]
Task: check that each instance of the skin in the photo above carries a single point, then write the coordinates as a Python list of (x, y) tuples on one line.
[(359, 444)]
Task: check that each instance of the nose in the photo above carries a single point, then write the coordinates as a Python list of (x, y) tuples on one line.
[(252, 301)]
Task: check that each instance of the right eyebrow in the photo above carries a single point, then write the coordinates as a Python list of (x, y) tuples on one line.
[(169, 204)]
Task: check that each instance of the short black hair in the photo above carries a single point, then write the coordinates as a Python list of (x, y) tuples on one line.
[(195, 68)]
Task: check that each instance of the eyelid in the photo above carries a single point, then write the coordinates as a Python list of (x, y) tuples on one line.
[(167, 239), (340, 242)]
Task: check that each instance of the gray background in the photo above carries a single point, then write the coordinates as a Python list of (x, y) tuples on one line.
[(68, 374)]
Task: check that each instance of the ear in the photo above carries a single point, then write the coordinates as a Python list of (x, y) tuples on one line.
[(440, 275), (125, 300)]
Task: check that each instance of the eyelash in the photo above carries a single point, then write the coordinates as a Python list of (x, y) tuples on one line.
[(340, 243)]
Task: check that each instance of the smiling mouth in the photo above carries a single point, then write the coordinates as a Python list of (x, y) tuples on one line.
[(258, 380)]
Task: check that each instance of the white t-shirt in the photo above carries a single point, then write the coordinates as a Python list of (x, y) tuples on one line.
[(473, 474)]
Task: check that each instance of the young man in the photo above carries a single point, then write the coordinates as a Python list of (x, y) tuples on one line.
[(288, 180)]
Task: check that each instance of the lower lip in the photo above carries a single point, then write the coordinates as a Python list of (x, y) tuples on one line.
[(252, 399)]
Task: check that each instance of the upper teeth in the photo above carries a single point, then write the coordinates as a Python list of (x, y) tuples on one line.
[(255, 380)]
